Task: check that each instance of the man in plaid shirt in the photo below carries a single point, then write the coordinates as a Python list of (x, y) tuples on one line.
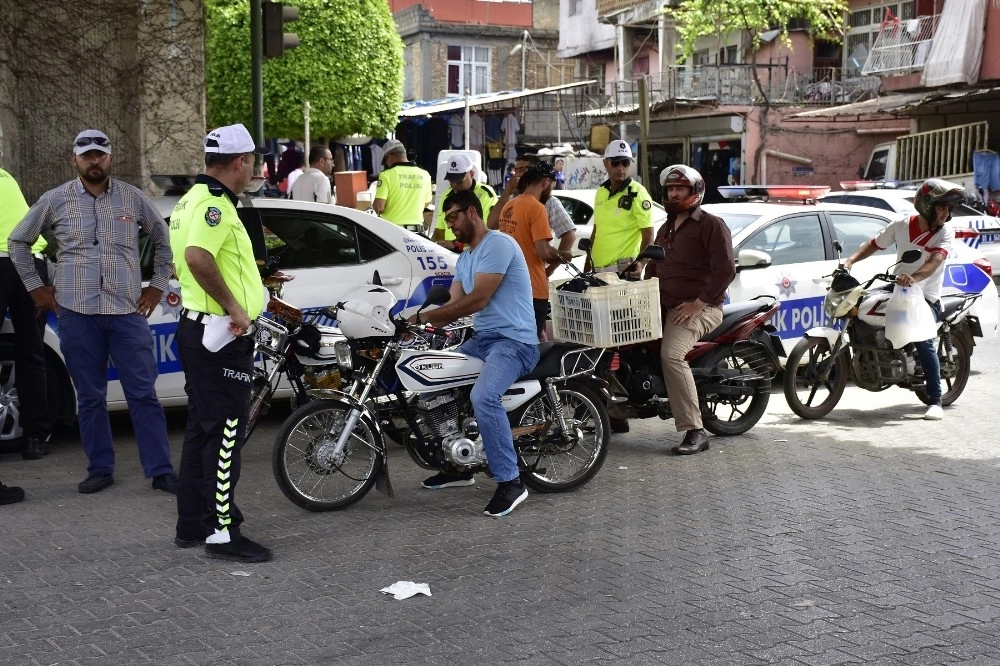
[(101, 304)]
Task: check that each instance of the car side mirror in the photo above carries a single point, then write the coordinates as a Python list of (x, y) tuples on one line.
[(752, 259)]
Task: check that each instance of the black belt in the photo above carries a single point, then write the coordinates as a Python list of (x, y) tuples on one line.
[(194, 315)]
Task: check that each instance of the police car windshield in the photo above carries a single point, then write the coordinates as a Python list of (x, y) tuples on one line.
[(736, 221)]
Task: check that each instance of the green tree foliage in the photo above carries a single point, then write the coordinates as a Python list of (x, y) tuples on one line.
[(348, 66), (698, 18)]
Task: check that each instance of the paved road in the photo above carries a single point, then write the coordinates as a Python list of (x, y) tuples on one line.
[(870, 537)]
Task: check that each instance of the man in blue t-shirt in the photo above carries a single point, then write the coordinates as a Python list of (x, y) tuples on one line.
[(492, 284)]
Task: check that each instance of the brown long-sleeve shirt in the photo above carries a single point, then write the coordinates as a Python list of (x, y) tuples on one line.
[(699, 260)]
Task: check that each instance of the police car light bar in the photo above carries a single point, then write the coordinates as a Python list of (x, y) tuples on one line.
[(861, 185), (777, 192)]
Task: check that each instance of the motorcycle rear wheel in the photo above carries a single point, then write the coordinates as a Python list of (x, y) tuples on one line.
[(808, 395), (303, 462), (552, 465), (726, 416), (954, 376)]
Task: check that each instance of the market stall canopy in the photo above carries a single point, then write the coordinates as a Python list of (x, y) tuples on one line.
[(897, 103), (452, 104)]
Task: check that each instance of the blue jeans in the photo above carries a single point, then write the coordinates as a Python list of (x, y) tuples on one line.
[(505, 361), (86, 342), (929, 361)]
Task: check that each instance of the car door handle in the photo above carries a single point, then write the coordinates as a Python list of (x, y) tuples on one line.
[(389, 281)]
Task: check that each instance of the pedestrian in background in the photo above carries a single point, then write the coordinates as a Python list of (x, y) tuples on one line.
[(461, 175), (29, 326), (403, 190), (559, 164), (314, 183), (101, 304), (218, 277)]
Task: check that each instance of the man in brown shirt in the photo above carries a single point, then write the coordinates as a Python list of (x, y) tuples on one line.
[(694, 275)]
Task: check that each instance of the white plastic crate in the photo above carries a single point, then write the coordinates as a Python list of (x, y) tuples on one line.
[(621, 313)]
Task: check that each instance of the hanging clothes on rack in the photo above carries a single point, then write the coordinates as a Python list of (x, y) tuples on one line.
[(477, 134), (510, 130), (985, 172), (456, 125)]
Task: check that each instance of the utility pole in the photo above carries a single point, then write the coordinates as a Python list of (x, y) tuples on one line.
[(257, 77)]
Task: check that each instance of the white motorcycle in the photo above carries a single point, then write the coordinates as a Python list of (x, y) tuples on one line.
[(820, 365), (331, 451)]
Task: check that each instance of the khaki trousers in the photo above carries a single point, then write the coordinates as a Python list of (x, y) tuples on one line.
[(677, 341)]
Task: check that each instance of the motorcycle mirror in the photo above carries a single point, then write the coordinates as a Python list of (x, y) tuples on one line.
[(910, 256), (654, 252), (437, 295), (837, 246), (585, 245), (377, 279)]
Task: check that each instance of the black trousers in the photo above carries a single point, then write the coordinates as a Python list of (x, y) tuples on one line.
[(29, 329), (218, 389)]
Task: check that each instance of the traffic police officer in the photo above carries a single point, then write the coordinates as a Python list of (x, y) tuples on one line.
[(403, 189), (461, 175), (218, 276), (623, 214), (29, 329)]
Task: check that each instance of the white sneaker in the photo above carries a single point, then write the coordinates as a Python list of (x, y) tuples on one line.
[(934, 413)]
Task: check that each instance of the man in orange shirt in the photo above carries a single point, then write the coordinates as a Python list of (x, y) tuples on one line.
[(524, 217)]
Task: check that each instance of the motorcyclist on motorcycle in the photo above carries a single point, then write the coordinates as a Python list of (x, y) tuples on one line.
[(694, 274), (926, 231)]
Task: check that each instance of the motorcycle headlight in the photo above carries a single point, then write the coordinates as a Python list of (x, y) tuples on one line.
[(343, 351), (838, 304)]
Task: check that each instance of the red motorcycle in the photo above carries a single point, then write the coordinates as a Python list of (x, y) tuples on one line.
[(732, 365)]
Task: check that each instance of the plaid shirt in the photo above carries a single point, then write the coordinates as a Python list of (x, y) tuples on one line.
[(97, 269)]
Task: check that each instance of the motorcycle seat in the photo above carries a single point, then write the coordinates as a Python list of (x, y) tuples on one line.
[(549, 355), (733, 311), (950, 305)]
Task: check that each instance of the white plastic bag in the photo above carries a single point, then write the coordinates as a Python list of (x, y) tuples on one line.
[(908, 317)]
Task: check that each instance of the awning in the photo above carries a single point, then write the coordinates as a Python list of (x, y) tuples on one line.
[(897, 103), (429, 108)]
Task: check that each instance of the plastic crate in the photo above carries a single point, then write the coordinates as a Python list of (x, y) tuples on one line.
[(621, 313)]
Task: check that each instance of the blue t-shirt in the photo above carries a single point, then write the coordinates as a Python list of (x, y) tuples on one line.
[(509, 312)]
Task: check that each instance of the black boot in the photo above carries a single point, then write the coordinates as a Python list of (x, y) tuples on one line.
[(35, 449)]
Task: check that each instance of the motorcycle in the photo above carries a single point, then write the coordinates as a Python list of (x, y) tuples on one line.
[(820, 365), (732, 365), (331, 451)]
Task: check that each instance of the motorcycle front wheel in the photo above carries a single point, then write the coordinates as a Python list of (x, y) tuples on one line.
[(807, 394), (550, 463), (954, 375), (260, 398), (306, 466), (734, 414)]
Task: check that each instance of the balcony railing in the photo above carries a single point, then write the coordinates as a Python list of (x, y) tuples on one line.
[(734, 85), (901, 46)]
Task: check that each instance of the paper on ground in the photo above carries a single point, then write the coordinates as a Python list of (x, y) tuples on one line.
[(217, 334), (405, 589)]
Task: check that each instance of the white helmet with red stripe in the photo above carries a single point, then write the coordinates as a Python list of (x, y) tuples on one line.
[(682, 176)]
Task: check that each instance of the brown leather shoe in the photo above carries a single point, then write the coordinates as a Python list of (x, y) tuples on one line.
[(695, 441)]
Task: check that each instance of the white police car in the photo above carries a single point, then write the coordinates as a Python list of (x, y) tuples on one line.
[(785, 249), (329, 249), (974, 228)]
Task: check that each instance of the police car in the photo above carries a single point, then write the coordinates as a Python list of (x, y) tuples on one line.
[(329, 249), (785, 250), (976, 229)]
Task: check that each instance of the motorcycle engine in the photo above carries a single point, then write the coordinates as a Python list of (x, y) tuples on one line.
[(875, 370), (643, 384), (453, 448)]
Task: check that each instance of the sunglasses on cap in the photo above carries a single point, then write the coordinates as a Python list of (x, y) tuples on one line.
[(87, 140)]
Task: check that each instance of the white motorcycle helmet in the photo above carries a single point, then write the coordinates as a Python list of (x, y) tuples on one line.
[(365, 313)]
